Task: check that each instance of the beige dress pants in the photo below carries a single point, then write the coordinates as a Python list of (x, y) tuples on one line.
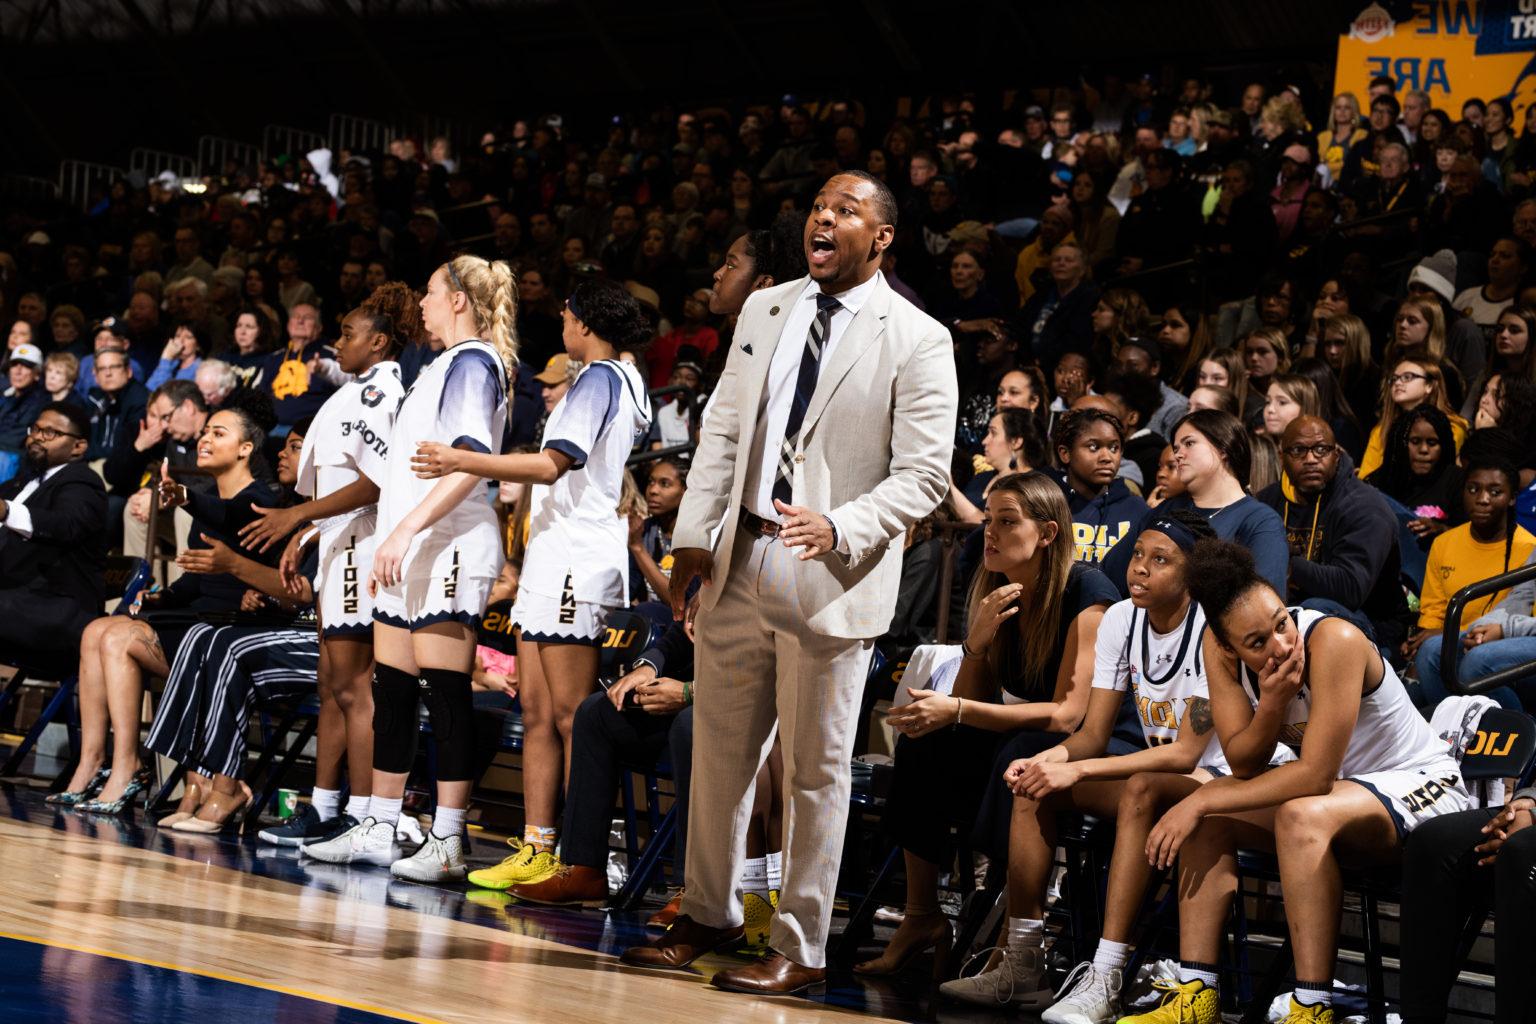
[(757, 664)]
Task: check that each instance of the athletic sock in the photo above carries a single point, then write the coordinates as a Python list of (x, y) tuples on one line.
[(754, 876), (1314, 993), (540, 838), (326, 802), (1111, 956), (1026, 933), (775, 871), (357, 807), (447, 822), (385, 810), (1191, 970)]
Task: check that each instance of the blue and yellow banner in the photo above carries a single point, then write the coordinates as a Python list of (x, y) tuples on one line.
[(1455, 50)]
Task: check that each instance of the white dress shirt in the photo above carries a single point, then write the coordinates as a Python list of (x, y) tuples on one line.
[(17, 516), (779, 391)]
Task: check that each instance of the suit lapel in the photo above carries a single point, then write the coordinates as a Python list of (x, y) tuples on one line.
[(764, 343), (867, 326)]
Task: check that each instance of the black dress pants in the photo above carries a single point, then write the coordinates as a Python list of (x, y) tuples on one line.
[(1442, 886)]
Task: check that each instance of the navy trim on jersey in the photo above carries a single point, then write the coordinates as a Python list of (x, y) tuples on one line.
[(642, 400), (1397, 819), (469, 619), (1146, 629), (570, 448), (562, 638), (352, 629), (470, 443)]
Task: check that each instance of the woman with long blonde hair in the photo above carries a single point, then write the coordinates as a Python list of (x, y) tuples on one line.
[(438, 555), (1415, 379)]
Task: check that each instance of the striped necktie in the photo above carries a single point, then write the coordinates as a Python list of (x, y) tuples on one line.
[(805, 386)]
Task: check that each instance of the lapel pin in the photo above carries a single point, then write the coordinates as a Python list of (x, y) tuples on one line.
[(774, 311)]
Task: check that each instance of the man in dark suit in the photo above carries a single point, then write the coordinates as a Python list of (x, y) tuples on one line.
[(53, 538)]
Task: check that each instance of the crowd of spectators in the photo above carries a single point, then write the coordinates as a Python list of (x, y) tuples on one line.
[(1310, 319)]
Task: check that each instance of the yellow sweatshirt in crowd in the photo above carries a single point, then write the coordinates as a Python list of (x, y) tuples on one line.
[(1456, 561)]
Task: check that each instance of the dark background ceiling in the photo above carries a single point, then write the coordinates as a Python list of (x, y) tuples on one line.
[(92, 79)]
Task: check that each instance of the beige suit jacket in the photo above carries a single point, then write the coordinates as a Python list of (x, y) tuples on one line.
[(873, 451)]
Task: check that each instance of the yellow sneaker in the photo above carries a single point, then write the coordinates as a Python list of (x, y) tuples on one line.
[(757, 918), (1307, 1013), (1193, 1002), (524, 867)]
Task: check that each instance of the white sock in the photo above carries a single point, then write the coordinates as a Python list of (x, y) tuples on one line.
[(1026, 933), (1111, 956), (448, 822), (357, 807), (775, 871), (385, 810), (1314, 993), (754, 876), (1190, 971), (326, 802)]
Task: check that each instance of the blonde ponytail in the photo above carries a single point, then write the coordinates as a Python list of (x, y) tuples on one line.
[(491, 287)]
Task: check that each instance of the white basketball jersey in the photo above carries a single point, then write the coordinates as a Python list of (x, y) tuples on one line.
[(1165, 672), (458, 399), (575, 528), (350, 439), (1389, 735)]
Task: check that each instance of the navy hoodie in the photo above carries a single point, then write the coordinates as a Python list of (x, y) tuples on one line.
[(1098, 524)]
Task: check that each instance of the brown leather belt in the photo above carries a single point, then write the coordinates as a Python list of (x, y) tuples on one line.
[(756, 524)]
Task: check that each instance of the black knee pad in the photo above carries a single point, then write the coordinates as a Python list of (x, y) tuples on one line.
[(395, 694), (452, 709)]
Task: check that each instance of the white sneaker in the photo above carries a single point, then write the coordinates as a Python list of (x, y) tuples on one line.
[(438, 860), (1089, 996), (1015, 979), (371, 842)]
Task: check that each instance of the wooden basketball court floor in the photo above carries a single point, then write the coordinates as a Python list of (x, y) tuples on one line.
[(114, 920)]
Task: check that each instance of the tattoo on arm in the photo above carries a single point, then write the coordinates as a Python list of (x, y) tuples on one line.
[(1200, 716)]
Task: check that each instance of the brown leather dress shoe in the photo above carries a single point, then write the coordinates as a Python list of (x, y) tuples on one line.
[(573, 885), (773, 975), (664, 917), (681, 945)]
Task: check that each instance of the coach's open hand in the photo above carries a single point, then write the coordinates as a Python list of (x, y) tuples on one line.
[(802, 528), (688, 563)]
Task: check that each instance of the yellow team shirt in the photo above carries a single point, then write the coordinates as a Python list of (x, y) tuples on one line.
[(1376, 447), (1457, 560)]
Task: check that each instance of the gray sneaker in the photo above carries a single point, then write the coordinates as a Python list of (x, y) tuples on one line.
[(372, 842), (1015, 978), (438, 861)]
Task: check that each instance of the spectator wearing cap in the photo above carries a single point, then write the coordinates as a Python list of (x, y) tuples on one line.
[(1141, 357), (554, 381), (23, 398), (1036, 131), (1466, 347), (108, 336), (674, 421), (693, 331), (589, 221), (1297, 166)]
